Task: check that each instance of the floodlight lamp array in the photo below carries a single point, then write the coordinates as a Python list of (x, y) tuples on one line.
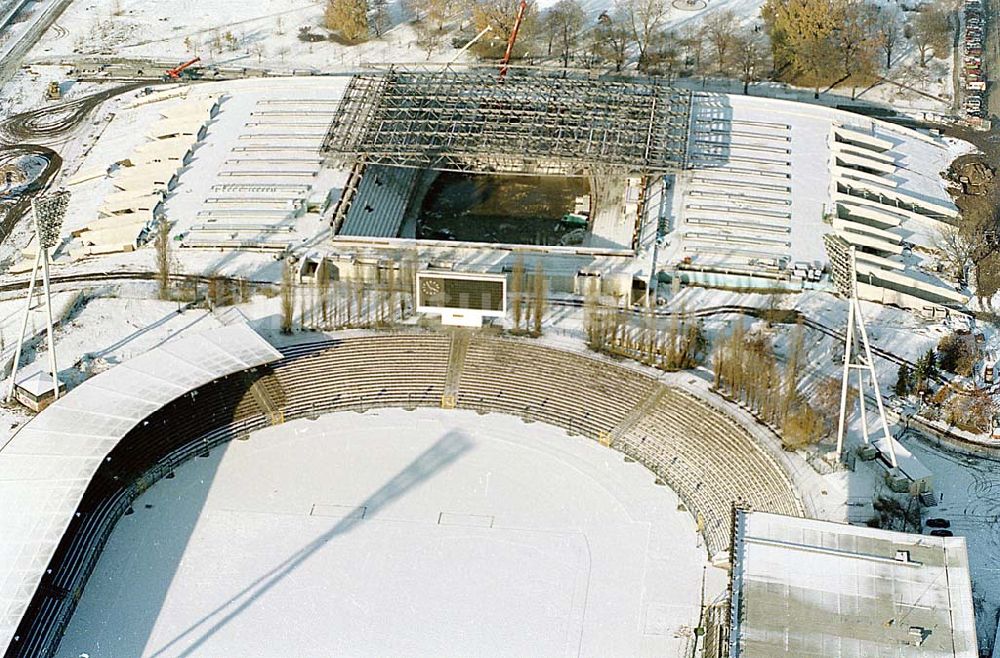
[(49, 211)]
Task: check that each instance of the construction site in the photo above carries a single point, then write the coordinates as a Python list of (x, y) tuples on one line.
[(438, 342), (509, 136)]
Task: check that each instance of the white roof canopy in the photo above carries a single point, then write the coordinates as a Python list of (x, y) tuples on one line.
[(45, 468)]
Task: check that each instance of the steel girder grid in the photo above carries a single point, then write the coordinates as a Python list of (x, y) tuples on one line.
[(532, 122)]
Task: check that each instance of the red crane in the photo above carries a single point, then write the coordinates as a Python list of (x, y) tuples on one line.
[(175, 73), (513, 37)]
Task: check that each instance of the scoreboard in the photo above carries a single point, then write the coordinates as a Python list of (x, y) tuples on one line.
[(461, 298)]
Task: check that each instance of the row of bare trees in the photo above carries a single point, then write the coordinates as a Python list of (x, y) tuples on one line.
[(328, 304), (747, 369), (818, 43), (527, 297), (681, 345)]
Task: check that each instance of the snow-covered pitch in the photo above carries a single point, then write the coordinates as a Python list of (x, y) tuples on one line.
[(398, 533)]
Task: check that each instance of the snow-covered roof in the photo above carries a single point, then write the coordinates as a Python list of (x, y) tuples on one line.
[(817, 588), (182, 125), (171, 148), (190, 109), (146, 177), (117, 237), (906, 461), (46, 466), (130, 203), (38, 383)]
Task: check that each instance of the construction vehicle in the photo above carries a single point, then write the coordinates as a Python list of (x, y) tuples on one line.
[(574, 219), (53, 93), (521, 8), (176, 72)]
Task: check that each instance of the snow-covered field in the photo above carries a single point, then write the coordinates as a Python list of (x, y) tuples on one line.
[(398, 533)]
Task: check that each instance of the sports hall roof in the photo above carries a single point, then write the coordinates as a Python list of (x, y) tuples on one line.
[(47, 465), (531, 122), (813, 588)]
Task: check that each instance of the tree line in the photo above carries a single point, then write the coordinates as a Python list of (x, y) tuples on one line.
[(824, 43), (819, 43)]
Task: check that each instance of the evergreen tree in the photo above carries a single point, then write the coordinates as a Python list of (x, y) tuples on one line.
[(902, 387), (926, 369)]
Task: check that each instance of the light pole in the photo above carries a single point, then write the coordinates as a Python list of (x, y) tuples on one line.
[(48, 212)]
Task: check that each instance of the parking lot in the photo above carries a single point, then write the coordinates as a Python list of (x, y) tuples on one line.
[(973, 70)]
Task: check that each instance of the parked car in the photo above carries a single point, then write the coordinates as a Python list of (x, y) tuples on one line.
[(938, 523), (941, 533)]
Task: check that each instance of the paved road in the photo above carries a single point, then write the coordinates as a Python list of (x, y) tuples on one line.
[(12, 62)]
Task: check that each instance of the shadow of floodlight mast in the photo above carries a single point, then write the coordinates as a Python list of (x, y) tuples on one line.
[(445, 451)]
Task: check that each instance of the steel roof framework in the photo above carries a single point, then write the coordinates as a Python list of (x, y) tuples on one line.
[(532, 122)]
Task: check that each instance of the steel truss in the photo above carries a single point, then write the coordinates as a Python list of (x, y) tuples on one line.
[(531, 122)]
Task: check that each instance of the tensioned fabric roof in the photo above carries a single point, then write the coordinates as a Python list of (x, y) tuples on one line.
[(46, 466)]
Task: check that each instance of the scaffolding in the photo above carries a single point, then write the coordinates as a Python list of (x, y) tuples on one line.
[(533, 122)]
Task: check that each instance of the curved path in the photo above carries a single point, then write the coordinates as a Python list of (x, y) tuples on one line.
[(12, 214)]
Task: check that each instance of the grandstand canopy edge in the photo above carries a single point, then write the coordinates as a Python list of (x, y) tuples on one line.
[(46, 467)]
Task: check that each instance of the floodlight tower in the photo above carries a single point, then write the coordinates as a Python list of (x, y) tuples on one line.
[(48, 212), (858, 356)]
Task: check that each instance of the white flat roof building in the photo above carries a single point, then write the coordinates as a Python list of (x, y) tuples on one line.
[(808, 588)]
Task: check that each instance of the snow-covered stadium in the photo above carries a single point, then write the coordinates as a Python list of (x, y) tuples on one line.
[(429, 491), (504, 523)]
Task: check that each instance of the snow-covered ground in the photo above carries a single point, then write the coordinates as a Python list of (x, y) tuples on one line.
[(399, 533), (969, 491), (265, 34)]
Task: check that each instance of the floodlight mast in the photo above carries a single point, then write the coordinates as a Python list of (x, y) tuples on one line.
[(856, 323), (48, 213)]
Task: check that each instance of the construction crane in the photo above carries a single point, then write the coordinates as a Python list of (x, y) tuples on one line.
[(513, 37), (175, 73)]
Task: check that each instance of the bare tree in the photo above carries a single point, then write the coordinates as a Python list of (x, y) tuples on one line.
[(931, 33), (645, 19), (323, 288), (612, 38), (538, 307), (380, 16), (564, 22), (516, 291), (429, 19), (956, 248), (888, 28), (664, 55), (858, 39), (719, 30), (287, 297), (164, 259), (750, 54), (691, 40), (500, 16)]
